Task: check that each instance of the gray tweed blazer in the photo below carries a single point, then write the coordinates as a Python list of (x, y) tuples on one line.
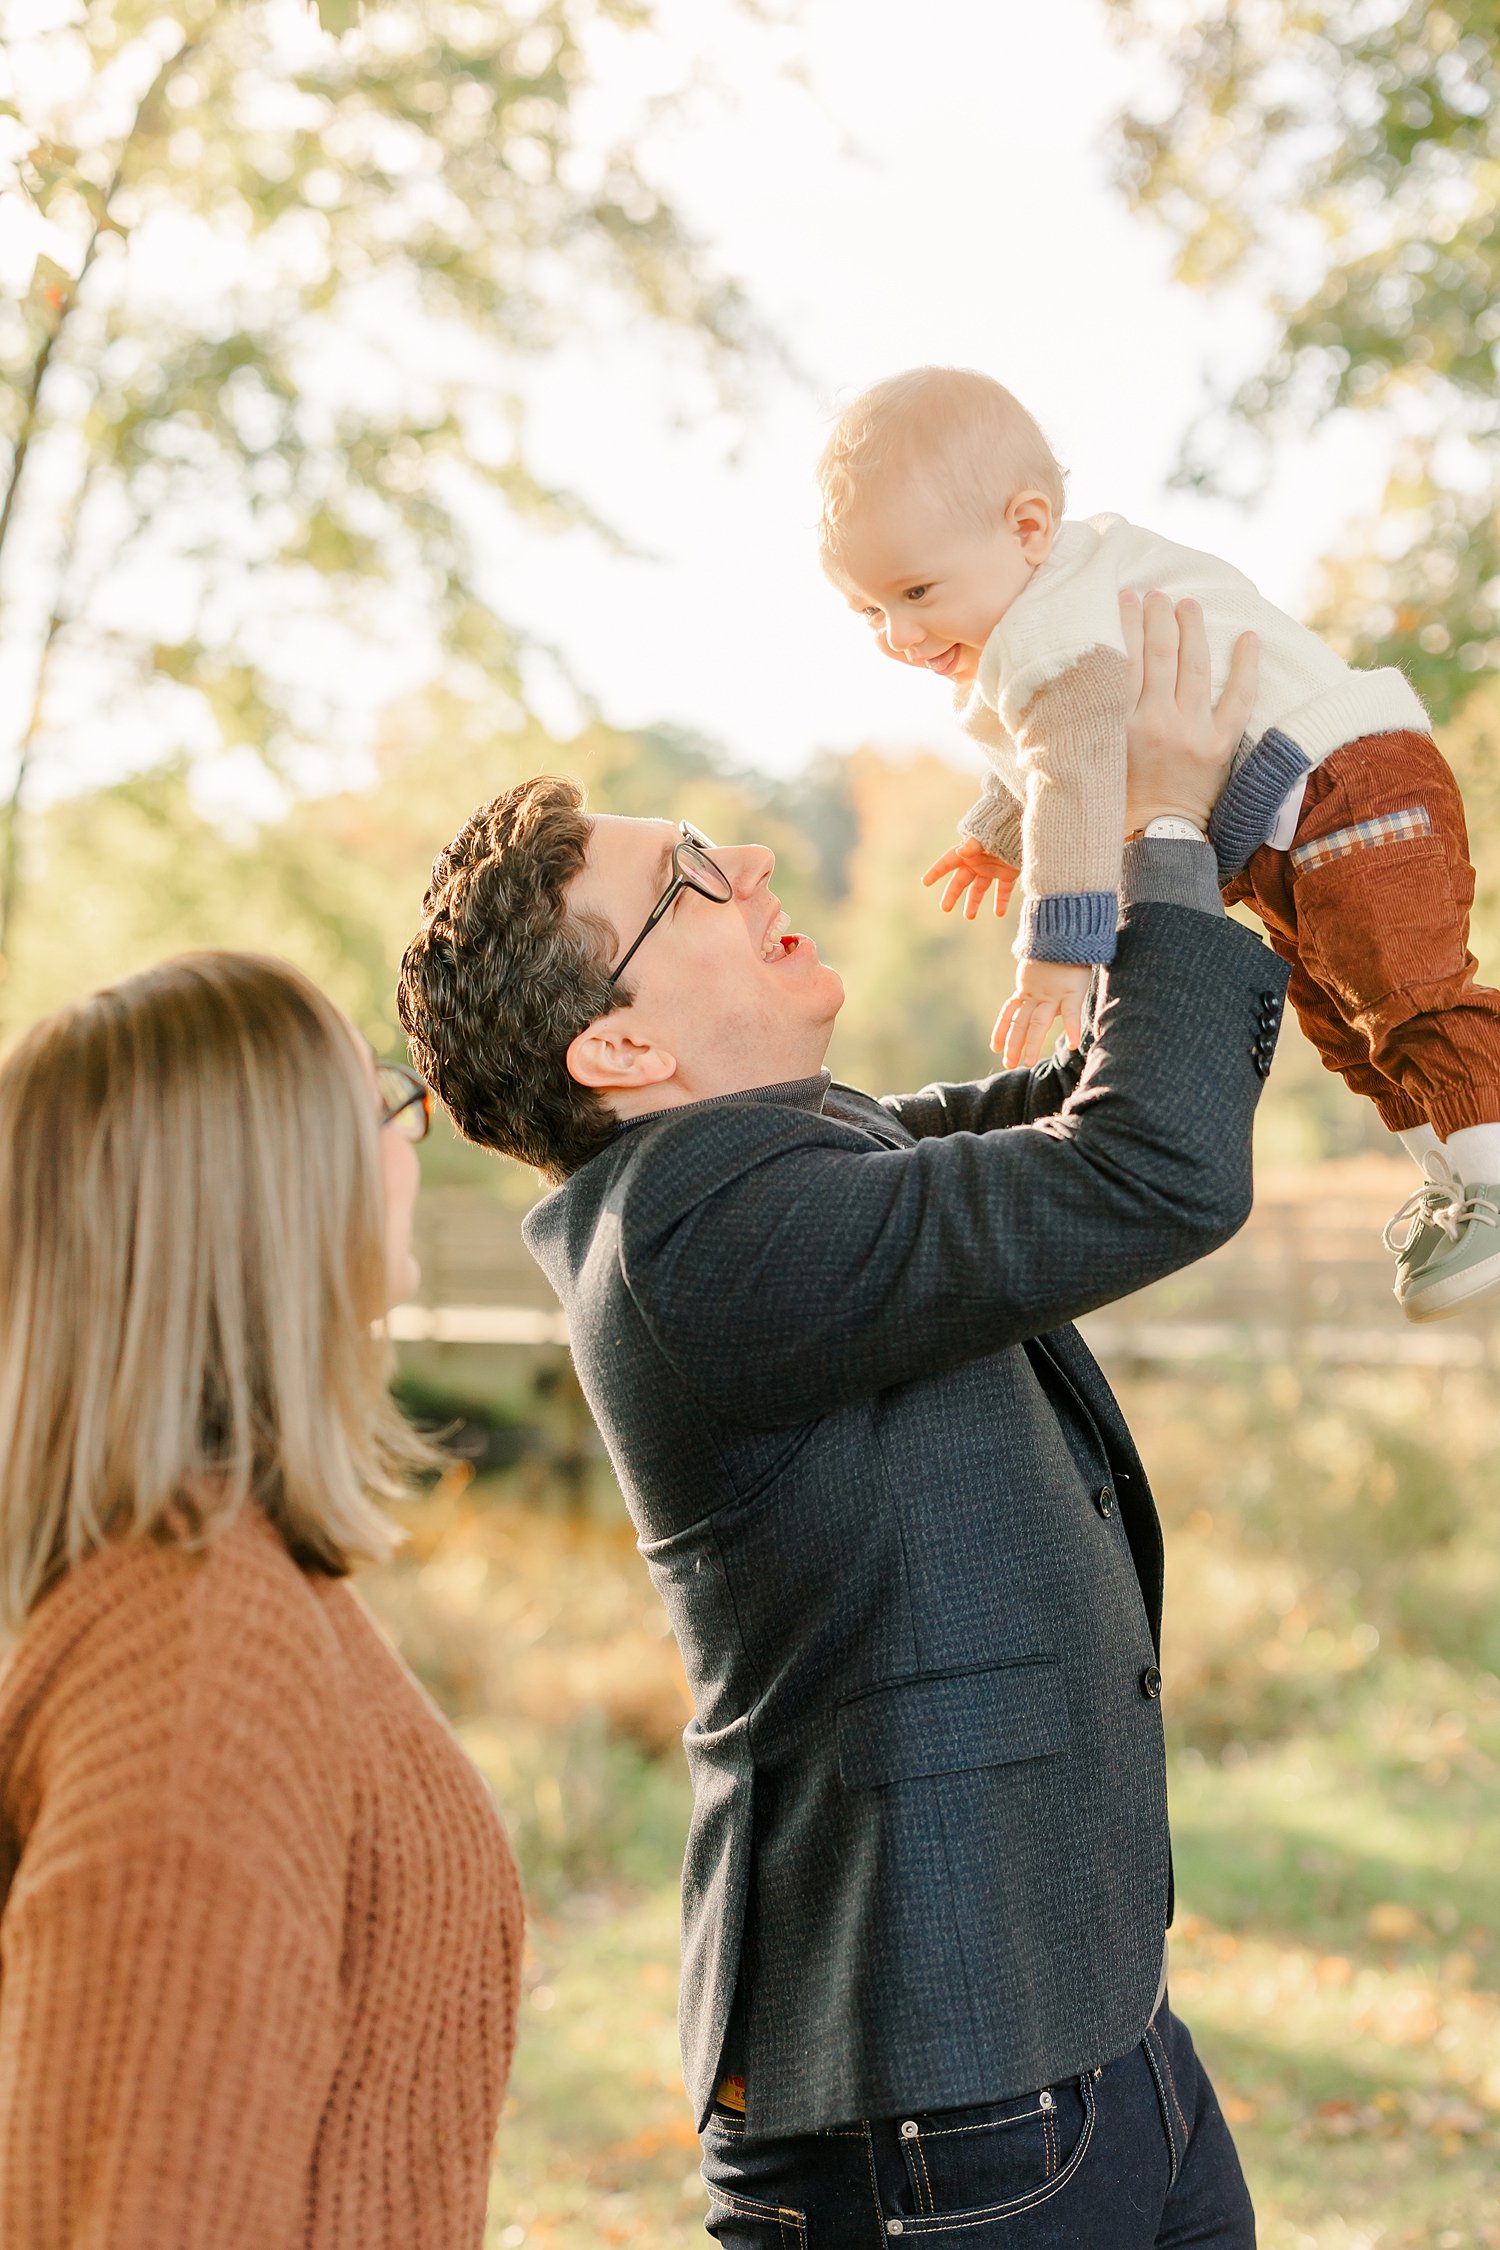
[(907, 1546)]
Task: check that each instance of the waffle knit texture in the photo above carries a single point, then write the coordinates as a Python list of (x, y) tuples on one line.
[(260, 1927), (1043, 708), (1256, 790)]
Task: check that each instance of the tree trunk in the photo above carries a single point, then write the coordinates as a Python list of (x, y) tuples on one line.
[(32, 409), (10, 852), (32, 406)]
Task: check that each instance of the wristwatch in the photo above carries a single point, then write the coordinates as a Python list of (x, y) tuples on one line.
[(1169, 828)]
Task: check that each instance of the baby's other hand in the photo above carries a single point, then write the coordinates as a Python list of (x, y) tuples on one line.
[(971, 869), (1044, 991)]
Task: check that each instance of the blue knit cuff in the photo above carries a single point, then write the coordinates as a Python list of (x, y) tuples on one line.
[(1253, 795), (1074, 926)]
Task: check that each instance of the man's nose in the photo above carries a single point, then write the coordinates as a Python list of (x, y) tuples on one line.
[(747, 866)]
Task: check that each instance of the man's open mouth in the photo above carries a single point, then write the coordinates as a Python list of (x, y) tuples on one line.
[(780, 938)]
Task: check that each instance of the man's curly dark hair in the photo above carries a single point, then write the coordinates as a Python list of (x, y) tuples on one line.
[(503, 975)]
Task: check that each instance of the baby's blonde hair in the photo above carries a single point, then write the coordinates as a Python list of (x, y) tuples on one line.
[(970, 438)]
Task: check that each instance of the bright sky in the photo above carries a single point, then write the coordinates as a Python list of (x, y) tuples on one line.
[(940, 192), (935, 188)]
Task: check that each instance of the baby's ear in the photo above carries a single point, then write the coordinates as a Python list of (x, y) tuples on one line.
[(1033, 519)]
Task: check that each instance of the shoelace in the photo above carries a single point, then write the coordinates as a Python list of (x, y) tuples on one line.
[(1441, 1201)]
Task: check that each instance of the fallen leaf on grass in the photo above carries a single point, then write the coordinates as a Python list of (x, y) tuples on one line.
[(1392, 1924), (1404, 2019), (641, 2146), (1447, 2118), (1344, 2120), (1450, 2120)]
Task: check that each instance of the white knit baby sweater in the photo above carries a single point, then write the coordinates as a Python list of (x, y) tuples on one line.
[(1049, 708)]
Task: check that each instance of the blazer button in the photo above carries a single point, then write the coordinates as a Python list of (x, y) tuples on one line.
[(1104, 1501), (1151, 1682)]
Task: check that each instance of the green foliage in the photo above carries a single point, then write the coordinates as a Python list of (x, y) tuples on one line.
[(261, 398), (1342, 158), (1335, 1802), (923, 988), (1333, 1521), (339, 15), (135, 870)]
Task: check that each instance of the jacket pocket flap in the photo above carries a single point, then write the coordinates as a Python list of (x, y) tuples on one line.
[(952, 1722)]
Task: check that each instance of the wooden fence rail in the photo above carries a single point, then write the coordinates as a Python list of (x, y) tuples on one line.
[(1307, 1280)]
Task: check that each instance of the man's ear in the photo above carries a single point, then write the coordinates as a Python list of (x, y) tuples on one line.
[(1033, 519), (606, 1058)]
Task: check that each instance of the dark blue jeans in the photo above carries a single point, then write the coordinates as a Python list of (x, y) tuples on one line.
[(1135, 2156)]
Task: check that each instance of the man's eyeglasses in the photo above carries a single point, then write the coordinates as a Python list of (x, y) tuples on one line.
[(692, 870), (405, 1100)]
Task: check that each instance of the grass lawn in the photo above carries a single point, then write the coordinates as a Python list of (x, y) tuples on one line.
[(1332, 1672)]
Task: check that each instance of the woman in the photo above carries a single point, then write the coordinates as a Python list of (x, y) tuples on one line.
[(259, 1923)]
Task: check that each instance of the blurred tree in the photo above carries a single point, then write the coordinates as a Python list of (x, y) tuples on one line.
[(134, 869), (1344, 157), (266, 384), (924, 988)]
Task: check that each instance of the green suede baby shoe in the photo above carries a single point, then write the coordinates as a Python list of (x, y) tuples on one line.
[(1446, 1238)]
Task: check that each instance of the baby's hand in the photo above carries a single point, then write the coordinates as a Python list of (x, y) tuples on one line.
[(1044, 991), (969, 867)]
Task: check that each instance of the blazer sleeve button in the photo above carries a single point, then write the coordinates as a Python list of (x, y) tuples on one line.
[(1151, 1682), (1104, 1501)]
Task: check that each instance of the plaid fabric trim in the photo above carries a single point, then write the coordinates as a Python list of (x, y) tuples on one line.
[(1403, 827)]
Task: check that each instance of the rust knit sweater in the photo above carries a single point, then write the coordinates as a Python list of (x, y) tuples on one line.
[(259, 1924)]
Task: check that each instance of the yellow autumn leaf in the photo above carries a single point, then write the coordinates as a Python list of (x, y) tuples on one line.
[(1392, 1924)]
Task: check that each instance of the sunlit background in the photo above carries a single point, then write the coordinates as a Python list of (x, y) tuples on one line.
[(404, 399)]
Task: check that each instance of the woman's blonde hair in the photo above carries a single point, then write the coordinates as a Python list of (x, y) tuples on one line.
[(192, 1268)]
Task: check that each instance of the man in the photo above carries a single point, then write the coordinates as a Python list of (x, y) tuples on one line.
[(907, 1546)]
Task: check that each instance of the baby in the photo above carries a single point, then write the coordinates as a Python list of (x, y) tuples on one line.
[(1341, 823)]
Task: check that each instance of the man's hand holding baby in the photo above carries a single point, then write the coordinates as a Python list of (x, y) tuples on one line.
[(1179, 745)]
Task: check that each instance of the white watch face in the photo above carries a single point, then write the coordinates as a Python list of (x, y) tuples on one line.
[(1174, 830)]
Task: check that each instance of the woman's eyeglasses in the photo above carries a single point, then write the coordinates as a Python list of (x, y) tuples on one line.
[(692, 870), (405, 1100)]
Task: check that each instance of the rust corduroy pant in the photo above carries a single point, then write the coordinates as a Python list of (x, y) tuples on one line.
[(1370, 906)]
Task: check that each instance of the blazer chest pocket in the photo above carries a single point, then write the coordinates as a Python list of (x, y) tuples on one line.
[(952, 1722)]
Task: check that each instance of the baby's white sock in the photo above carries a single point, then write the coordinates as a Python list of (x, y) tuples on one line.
[(1418, 1141), (1474, 1153)]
